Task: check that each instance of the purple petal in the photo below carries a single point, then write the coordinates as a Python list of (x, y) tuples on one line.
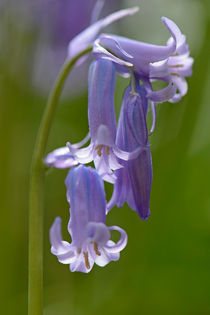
[(134, 180), (117, 45), (60, 158), (84, 262), (120, 245), (178, 37), (81, 143), (97, 232), (97, 10), (140, 172), (84, 155), (153, 108), (181, 65), (181, 85), (85, 193), (159, 70), (85, 38), (103, 167), (113, 162), (104, 137), (55, 234), (124, 155), (106, 256), (163, 95), (67, 257), (122, 189), (63, 250), (100, 52), (101, 98)]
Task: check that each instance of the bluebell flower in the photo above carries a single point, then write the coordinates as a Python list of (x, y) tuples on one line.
[(170, 63), (133, 184), (102, 125), (87, 226)]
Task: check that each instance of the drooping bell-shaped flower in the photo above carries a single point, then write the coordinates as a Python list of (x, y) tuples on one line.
[(170, 63), (102, 126), (134, 180), (102, 122), (87, 226)]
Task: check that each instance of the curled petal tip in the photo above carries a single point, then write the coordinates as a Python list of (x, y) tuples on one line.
[(57, 220), (162, 95), (120, 245), (174, 30), (55, 234), (167, 21), (145, 216), (134, 10), (164, 19)]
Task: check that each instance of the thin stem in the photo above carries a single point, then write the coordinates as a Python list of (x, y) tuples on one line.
[(36, 196)]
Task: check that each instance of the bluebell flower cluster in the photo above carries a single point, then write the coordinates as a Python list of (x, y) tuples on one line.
[(120, 150)]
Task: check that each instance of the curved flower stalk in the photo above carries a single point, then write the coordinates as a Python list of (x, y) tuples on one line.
[(170, 63), (87, 37), (102, 124), (87, 226), (134, 180)]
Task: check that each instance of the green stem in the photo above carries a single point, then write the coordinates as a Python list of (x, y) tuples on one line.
[(36, 195)]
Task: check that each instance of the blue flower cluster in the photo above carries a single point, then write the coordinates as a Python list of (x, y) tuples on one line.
[(120, 150)]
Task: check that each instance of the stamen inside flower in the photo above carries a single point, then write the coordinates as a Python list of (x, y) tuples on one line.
[(99, 149), (87, 264), (175, 66), (176, 54), (107, 149), (95, 246), (175, 73), (79, 251)]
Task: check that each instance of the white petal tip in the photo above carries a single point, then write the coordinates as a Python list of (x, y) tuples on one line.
[(134, 10), (165, 20), (57, 220)]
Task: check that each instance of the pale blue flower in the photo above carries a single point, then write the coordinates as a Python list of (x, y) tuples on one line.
[(133, 184), (102, 125), (87, 226)]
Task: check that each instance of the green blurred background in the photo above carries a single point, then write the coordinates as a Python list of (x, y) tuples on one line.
[(165, 268)]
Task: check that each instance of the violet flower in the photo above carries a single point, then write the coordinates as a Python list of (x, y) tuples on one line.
[(134, 180), (87, 226), (170, 63), (102, 124)]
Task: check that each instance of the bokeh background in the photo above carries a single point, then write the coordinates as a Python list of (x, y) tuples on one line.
[(165, 268)]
